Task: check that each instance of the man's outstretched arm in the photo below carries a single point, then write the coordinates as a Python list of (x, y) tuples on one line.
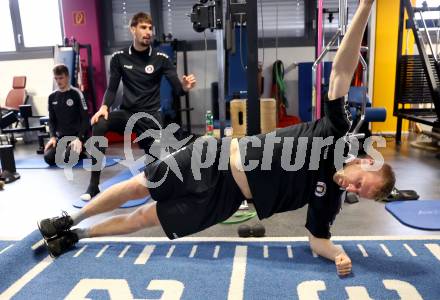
[(347, 56), (326, 248)]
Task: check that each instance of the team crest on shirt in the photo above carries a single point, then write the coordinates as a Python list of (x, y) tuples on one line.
[(69, 102), (149, 69), (321, 188)]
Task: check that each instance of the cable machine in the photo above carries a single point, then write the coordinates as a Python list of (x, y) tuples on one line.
[(208, 14), (417, 76), (333, 45)]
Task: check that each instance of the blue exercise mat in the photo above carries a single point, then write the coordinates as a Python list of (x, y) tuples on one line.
[(423, 214), (121, 176), (124, 175), (209, 268), (132, 203), (39, 163)]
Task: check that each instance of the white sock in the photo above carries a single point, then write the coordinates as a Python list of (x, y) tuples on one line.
[(244, 205), (81, 233), (77, 217)]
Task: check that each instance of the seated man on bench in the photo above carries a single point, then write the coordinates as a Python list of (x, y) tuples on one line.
[(68, 116)]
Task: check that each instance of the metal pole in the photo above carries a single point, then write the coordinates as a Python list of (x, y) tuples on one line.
[(340, 33), (434, 54), (221, 80), (317, 74), (399, 58), (316, 78), (253, 102), (364, 94), (343, 19), (185, 70), (219, 34), (432, 83)]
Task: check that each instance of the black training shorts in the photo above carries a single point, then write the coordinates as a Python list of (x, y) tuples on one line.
[(193, 205)]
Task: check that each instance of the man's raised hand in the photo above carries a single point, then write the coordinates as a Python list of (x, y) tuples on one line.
[(368, 2), (188, 82)]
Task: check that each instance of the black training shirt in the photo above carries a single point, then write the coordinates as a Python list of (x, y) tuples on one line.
[(288, 185), (141, 73), (68, 114)]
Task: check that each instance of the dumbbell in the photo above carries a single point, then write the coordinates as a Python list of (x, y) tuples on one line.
[(257, 230), (351, 198)]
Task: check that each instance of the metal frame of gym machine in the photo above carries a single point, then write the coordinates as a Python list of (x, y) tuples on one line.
[(427, 89), (336, 39), (180, 46), (76, 48), (201, 19)]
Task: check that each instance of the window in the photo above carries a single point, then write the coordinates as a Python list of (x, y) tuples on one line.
[(29, 28), (122, 11), (40, 31), (431, 16), (431, 3), (332, 26), (6, 30), (177, 21), (281, 18)]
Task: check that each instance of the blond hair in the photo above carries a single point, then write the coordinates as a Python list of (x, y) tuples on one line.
[(388, 182)]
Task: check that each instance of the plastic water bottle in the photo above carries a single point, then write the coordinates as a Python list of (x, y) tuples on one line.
[(209, 123), (228, 131)]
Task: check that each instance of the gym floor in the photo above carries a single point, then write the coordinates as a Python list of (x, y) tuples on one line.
[(44, 193)]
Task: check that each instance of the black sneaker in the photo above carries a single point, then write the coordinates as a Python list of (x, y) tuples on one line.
[(91, 192), (53, 226), (62, 243)]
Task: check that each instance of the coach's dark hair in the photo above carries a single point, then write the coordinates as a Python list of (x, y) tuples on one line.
[(140, 17), (60, 70)]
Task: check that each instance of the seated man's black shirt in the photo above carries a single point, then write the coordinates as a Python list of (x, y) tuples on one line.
[(68, 114)]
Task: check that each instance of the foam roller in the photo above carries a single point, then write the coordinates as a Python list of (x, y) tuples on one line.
[(356, 95), (268, 115), (238, 117), (375, 114), (372, 114)]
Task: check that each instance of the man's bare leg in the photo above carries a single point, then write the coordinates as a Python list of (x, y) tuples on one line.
[(117, 195), (60, 239), (143, 217), (109, 200)]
